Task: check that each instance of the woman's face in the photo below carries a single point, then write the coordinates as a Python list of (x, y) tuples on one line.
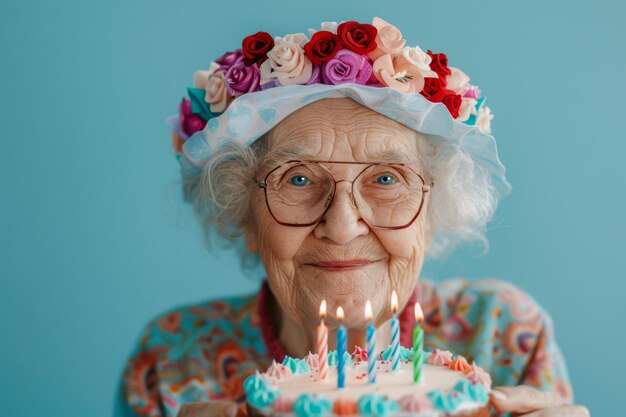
[(340, 259)]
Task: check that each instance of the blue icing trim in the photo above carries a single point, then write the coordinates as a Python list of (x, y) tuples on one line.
[(474, 392), (377, 405), (444, 401), (307, 405), (426, 355), (258, 391), (405, 354), (296, 366), (333, 358)]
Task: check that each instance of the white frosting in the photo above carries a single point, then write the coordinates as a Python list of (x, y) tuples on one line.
[(393, 384)]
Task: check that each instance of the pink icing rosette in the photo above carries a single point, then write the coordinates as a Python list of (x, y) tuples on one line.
[(413, 403), (478, 375), (313, 361), (440, 357), (359, 354), (283, 405), (276, 371)]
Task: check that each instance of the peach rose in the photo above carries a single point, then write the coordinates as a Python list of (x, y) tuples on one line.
[(388, 40), (201, 77), (286, 62), (457, 81), (327, 26), (483, 119), (468, 107), (398, 74), (216, 93)]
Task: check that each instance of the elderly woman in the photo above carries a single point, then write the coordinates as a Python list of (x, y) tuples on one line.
[(341, 162)]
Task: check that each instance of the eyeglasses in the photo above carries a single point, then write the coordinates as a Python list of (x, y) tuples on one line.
[(387, 195)]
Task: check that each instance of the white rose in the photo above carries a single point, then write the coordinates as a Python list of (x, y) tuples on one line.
[(483, 119), (286, 62), (327, 26), (457, 81), (201, 77), (468, 107), (415, 56), (216, 93)]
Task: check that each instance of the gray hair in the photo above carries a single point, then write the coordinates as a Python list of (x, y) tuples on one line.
[(462, 201)]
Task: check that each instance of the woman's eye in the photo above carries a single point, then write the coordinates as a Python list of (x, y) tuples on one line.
[(385, 180), (299, 180)]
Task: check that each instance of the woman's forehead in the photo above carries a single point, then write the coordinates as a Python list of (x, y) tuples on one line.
[(341, 129)]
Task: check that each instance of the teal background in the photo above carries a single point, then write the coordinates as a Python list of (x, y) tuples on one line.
[(94, 237)]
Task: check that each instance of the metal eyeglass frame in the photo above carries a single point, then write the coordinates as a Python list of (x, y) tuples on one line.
[(263, 185)]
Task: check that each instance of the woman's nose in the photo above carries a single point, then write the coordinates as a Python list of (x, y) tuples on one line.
[(342, 222)]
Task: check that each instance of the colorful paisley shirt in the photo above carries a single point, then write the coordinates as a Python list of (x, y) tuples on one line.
[(205, 351)]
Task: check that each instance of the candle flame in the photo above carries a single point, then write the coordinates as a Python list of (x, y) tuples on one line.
[(368, 310), (323, 309), (340, 313), (419, 314), (394, 302)]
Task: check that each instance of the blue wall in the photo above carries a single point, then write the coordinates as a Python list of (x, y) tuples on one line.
[(95, 240)]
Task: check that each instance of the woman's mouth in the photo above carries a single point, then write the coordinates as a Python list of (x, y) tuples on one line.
[(341, 265)]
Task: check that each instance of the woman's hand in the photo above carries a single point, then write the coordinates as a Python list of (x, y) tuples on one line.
[(530, 402), (209, 409)]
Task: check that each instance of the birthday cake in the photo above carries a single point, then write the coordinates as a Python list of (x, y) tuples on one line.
[(447, 386)]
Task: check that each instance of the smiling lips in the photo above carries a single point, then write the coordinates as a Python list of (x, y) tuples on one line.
[(343, 265)]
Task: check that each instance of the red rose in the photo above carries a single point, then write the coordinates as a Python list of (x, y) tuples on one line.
[(358, 37), (322, 47), (450, 99), (432, 87), (255, 47), (439, 64)]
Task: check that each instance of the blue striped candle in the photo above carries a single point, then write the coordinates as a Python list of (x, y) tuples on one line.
[(371, 344), (395, 333), (342, 343)]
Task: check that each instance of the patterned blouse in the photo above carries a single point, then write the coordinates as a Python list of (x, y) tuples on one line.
[(204, 352)]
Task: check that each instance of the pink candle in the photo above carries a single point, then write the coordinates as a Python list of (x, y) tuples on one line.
[(322, 342)]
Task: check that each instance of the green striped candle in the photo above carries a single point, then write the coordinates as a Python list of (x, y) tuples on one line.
[(418, 345)]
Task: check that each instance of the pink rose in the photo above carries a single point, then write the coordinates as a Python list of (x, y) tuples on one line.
[(457, 81), (388, 39), (398, 74), (287, 62), (216, 92)]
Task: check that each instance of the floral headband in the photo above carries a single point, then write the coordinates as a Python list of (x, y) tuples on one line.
[(246, 92)]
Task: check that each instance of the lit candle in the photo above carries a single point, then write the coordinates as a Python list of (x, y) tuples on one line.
[(395, 333), (322, 342), (341, 350), (418, 345), (371, 343)]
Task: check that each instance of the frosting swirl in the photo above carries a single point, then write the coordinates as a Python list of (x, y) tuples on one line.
[(377, 405), (276, 371), (413, 403), (446, 402), (313, 361), (333, 358), (296, 366), (478, 375), (440, 357), (459, 364), (258, 392), (345, 407), (283, 405), (308, 405), (469, 391), (405, 354)]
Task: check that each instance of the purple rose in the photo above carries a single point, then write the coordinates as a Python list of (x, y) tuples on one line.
[(347, 67), (229, 59), (189, 123), (242, 79), (315, 75)]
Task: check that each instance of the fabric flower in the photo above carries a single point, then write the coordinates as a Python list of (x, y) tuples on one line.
[(242, 79), (439, 64), (217, 93), (255, 47), (473, 92), (358, 37), (450, 99), (346, 67), (322, 47), (388, 39), (286, 62), (420, 59), (229, 59), (432, 87), (189, 123), (327, 26), (457, 81), (468, 108), (201, 77), (398, 74), (483, 119)]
